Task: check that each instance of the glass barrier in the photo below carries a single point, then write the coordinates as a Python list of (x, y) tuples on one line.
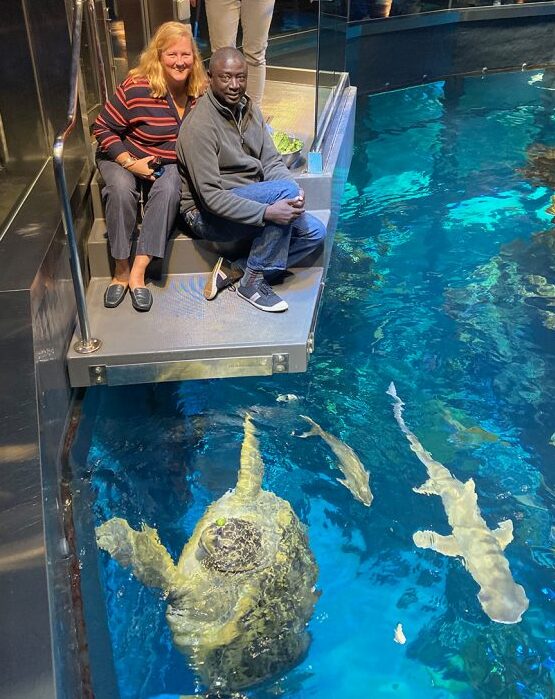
[(331, 55), (289, 99), (379, 9)]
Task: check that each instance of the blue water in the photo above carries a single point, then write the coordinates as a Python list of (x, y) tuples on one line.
[(435, 283)]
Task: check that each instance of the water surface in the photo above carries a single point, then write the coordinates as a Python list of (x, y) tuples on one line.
[(440, 281)]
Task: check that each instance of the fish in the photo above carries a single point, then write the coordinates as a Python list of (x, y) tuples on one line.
[(399, 636), (286, 397), (357, 478), (470, 436), (480, 547)]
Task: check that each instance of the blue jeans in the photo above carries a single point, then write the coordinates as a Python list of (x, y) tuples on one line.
[(274, 248)]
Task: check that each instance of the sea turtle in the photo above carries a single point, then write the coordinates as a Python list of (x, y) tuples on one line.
[(242, 591)]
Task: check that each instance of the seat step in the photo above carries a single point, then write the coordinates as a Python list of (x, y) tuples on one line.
[(184, 255)]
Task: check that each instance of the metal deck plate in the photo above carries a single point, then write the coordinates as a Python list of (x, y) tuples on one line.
[(183, 326)]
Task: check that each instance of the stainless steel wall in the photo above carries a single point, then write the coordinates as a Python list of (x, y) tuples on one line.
[(36, 318)]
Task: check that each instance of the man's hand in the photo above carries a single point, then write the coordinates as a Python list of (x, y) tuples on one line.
[(283, 212), (298, 201)]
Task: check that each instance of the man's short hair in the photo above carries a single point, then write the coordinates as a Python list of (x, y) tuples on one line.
[(224, 54)]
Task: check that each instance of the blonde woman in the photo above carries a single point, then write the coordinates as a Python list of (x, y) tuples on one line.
[(136, 132)]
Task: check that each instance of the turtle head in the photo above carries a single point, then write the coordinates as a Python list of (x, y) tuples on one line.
[(230, 545)]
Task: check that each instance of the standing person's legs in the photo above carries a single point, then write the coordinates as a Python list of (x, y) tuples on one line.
[(256, 17), (223, 22)]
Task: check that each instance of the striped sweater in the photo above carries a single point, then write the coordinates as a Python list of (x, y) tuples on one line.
[(133, 121)]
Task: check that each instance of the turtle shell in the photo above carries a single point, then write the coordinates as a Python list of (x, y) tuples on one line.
[(231, 546)]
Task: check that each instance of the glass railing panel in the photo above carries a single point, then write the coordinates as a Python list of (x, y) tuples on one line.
[(331, 56), (289, 101)]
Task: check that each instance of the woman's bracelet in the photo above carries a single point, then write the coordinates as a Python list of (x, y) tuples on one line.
[(126, 164)]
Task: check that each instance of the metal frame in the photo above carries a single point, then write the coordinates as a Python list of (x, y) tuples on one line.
[(97, 52), (87, 343)]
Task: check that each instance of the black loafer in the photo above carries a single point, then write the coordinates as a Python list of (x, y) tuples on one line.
[(113, 295), (141, 298)]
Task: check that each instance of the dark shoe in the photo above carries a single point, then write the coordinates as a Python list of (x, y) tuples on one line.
[(113, 295), (222, 276), (263, 297), (141, 298)]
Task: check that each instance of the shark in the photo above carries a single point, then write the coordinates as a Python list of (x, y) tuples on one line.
[(480, 547), (357, 478)]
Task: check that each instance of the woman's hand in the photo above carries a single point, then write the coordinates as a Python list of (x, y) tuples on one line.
[(141, 169)]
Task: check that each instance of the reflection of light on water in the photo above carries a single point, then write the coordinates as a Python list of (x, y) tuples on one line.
[(536, 81), (484, 211)]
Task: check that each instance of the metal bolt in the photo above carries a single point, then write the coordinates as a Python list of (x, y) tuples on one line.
[(280, 368), (98, 370), (280, 358), (99, 379)]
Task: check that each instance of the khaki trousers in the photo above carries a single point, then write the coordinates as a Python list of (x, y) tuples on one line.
[(255, 16)]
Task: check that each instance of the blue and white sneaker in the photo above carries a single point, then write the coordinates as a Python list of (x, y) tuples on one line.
[(222, 276), (262, 296)]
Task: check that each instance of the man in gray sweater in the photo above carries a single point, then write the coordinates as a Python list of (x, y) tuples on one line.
[(236, 188)]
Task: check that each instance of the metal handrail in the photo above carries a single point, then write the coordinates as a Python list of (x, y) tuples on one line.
[(86, 344)]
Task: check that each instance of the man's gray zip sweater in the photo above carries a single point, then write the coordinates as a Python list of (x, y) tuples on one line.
[(217, 152)]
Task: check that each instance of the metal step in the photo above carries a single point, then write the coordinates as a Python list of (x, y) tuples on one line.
[(186, 337), (184, 255)]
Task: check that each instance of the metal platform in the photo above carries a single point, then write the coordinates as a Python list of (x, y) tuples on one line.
[(186, 337)]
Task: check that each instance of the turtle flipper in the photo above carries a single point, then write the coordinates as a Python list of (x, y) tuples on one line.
[(252, 467), (142, 551)]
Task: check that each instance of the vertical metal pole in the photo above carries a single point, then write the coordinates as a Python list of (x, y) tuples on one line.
[(315, 165), (87, 344), (197, 18), (97, 52), (318, 46)]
